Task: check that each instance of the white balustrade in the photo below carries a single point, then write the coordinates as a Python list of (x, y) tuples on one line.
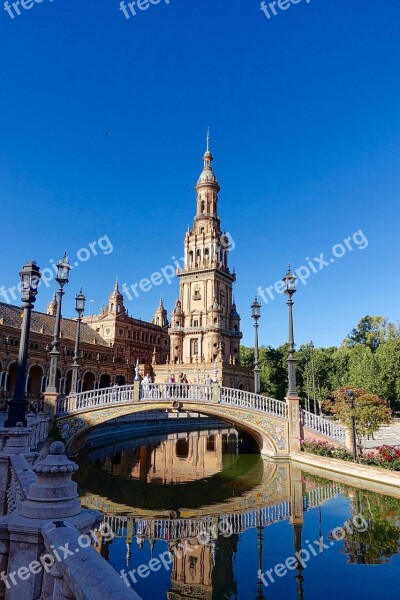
[(117, 395), (323, 426), (122, 394), (257, 402)]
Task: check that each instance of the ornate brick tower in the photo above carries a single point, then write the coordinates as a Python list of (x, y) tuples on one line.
[(205, 326)]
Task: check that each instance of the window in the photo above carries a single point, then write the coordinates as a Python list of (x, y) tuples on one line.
[(195, 347), (195, 323), (196, 293)]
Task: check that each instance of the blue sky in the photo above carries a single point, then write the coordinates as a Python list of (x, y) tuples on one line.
[(103, 124)]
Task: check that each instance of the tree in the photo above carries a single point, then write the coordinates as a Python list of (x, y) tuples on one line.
[(370, 411), (388, 371), (370, 332)]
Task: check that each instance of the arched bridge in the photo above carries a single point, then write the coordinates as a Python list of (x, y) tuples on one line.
[(275, 425)]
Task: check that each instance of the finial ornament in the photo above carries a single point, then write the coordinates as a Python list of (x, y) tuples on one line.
[(208, 139)]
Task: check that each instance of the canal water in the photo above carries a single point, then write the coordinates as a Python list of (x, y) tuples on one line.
[(200, 514)]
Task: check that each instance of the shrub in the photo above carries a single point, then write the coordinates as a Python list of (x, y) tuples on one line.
[(387, 457)]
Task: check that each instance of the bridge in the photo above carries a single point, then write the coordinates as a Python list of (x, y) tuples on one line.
[(277, 426)]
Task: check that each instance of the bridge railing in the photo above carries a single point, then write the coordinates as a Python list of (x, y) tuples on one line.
[(244, 399), (323, 426), (94, 398), (180, 391)]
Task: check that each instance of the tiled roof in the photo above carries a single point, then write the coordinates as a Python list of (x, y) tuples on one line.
[(41, 323)]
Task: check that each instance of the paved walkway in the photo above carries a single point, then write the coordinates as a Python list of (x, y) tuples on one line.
[(388, 434)]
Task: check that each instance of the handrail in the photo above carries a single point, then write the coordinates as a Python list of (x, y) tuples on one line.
[(243, 399), (77, 568), (323, 426), (21, 479)]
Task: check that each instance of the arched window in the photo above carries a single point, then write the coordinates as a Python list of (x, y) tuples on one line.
[(111, 306)]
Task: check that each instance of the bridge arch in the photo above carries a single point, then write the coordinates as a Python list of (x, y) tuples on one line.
[(72, 428), (276, 426)]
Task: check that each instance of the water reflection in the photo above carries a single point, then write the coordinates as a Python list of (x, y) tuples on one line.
[(221, 516)]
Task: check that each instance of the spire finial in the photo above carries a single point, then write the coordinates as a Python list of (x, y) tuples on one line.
[(208, 139), (116, 288)]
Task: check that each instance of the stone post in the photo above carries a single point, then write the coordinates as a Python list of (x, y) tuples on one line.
[(16, 441), (349, 440), (293, 404), (52, 499), (136, 390), (216, 392), (50, 407)]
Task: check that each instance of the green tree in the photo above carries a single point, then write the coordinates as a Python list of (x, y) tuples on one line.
[(370, 411), (370, 332), (388, 371)]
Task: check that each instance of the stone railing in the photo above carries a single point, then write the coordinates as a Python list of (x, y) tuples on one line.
[(84, 575), (45, 514), (244, 399), (21, 479), (324, 427), (102, 397), (39, 431), (179, 391), (171, 391)]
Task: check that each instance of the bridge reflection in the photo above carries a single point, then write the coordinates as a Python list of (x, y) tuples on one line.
[(194, 494)]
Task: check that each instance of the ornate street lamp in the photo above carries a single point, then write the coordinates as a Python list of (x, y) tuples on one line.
[(256, 314), (290, 289), (80, 309), (351, 396), (30, 278), (63, 268)]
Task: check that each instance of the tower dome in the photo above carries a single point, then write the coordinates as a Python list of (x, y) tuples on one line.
[(116, 301), (52, 306)]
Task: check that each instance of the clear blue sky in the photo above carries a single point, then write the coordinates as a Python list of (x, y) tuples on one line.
[(304, 117)]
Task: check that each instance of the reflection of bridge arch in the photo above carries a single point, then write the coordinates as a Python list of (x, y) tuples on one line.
[(170, 529), (254, 483)]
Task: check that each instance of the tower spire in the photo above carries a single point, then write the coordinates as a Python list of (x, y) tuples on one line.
[(208, 139)]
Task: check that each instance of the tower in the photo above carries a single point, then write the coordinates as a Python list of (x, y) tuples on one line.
[(52, 306), (160, 316), (205, 325), (115, 304)]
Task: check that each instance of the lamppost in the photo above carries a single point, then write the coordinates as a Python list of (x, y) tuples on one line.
[(351, 396), (316, 410), (290, 289), (80, 309), (30, 277), (63, 268), (256, 314)]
